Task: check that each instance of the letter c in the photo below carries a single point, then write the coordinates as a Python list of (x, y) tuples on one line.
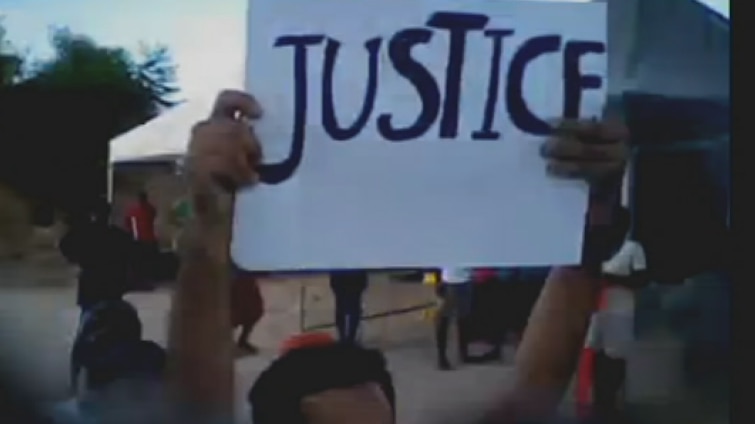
[(519, 112)]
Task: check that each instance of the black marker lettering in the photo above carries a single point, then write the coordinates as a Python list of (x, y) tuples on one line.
[(399, 51), (574, 80), (277, 173), (329, 120), (486, 132), (457, 24), (519, 112)]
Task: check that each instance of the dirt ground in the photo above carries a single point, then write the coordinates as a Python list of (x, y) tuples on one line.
[(37, 323)]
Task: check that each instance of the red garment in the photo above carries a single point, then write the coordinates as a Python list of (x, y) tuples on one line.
[(307, 340), (246, 301), (140, 222), (482, 275)]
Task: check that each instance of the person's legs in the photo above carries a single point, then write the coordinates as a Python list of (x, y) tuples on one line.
[(442, 322), (609, 380), (247, 308), (353, 315), (341, 317), (243, 340), (497, 319), (75, 362), (463, 304), (341, 308), (348, 305)]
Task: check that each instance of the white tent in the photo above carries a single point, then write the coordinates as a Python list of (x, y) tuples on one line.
[(161, 139), (670, 47)]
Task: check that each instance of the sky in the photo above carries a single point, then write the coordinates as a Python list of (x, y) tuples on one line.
[(206, 37)]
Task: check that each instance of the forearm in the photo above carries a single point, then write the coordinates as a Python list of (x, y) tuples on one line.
[(555, 333), (200, 348), (550, 348)]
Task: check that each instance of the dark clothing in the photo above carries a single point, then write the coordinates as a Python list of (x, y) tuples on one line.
[(457, 299), (494, 304), (348, 287), (103, 254), (247, 305), (610, 375)]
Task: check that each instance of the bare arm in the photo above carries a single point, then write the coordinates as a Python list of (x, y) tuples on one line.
[(558, 323), (555, 334), (223, 155), (199, 345), (556, 329)]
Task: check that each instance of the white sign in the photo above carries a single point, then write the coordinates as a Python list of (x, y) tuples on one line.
[(405, 133)]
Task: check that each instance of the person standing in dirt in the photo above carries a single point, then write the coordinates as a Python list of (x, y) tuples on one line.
[(103, 254), (455, 290), (140, 223), (348, 288), (140, 220)]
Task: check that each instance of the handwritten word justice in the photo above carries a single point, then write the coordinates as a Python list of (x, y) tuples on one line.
[(436, 102)]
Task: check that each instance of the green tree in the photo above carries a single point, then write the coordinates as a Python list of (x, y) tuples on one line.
[(63, 114), (142, 87), (11, 60)]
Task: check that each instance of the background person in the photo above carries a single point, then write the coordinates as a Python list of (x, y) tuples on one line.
[(118, 376), (455, 291), (140, 223), (493, 305), (104, 255), (247, 307), (348, 286), (140, 219), (612, 326)]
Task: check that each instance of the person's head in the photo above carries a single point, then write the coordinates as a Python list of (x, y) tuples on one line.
[(324, 383), (143, 197), (109, 321), (105, 325), (124, 361)]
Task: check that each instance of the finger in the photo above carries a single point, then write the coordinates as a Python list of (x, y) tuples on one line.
[(245, 169), (209, 137), (613, 128), (248, 152), (569, 126), (583, 170), (253, 149), (230, 104), (570, 147), (610, 130)]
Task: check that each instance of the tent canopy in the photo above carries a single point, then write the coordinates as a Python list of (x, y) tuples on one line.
[(673, 48), (163, 138)]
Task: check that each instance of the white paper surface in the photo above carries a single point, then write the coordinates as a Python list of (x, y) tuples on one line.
[(369, 202)]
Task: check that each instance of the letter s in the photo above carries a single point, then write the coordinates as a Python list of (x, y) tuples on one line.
[(399, 50)]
